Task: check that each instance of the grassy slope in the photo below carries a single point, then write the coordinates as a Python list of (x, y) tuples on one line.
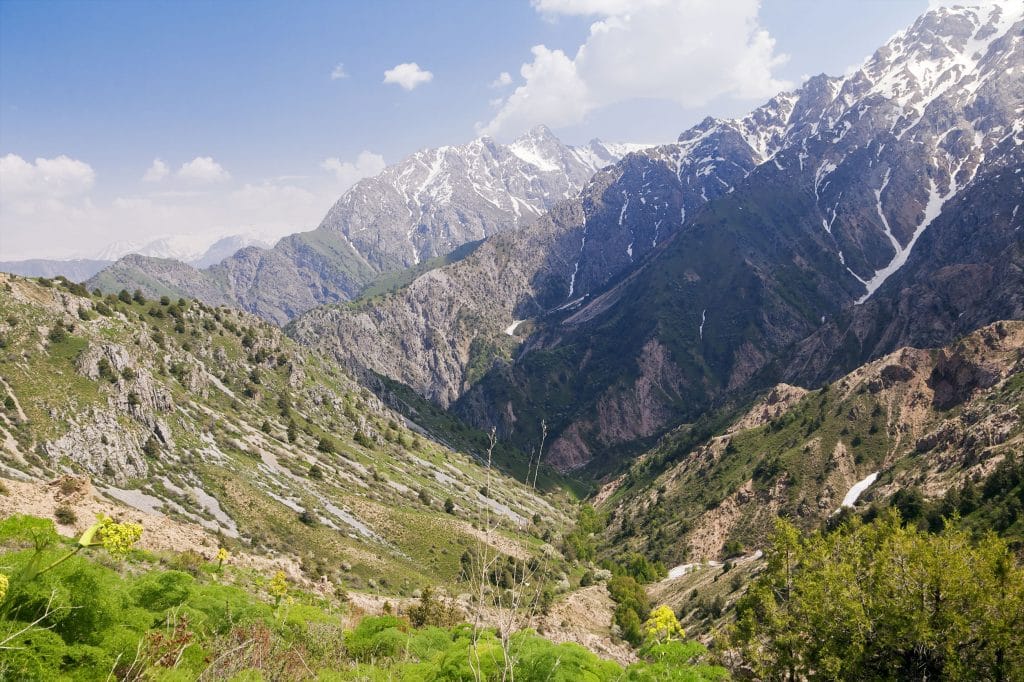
[(225, 374), (691, 497)]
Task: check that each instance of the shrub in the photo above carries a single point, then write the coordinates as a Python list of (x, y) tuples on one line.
[(58, 334), (376, 637), (432, 611), (65, 515), (159, 591), (152, 447)]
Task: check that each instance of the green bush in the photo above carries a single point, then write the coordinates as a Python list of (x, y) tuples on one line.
[(160, 591)]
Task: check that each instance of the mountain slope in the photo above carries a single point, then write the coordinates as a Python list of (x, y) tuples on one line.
[(905, 172), (214, 418), (423, 207), (441, 332), (924, 420)]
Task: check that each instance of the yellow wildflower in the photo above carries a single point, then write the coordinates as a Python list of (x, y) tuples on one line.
[(4, 583), (222, 555), (663, 625), (118, 538), (278, 587)]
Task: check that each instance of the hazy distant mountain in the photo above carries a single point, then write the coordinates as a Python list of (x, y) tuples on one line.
[(76, 270), (197, 250)]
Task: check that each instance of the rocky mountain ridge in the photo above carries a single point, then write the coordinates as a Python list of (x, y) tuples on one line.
[(916, 419), (830, 226), (422, 207)]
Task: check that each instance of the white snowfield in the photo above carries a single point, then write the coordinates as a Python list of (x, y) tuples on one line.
[(682, 569), (511, 329), (855, 492)]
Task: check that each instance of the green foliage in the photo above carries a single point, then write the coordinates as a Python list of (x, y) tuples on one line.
[(581, 543), (638, 567), (884, 601), (433, 611), (632, 607), (674, 661), (159, 591), (57, 334), (995, 503), (152, 447), (147, 623)]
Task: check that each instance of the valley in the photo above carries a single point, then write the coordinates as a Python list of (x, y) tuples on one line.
[(744, 405)]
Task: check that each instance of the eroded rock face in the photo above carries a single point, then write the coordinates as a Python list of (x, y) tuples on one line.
[(116, 355), (955, 378), (101, 444), (133, 392)]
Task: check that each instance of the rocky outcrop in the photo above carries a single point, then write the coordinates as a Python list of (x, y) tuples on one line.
[(955, 378), (101, 444)]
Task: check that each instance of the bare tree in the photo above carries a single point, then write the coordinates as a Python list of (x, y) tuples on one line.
[(515, 607), (540, 453)]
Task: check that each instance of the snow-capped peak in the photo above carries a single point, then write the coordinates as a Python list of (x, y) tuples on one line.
[(440, 198), (942, 47), (539, 147)]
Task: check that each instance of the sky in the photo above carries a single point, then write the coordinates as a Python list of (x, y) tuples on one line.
[(125, 121)]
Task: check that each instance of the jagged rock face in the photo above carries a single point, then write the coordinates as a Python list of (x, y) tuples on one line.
[(432, 334), (98, 443), (439, 199), (797, 453), (955, 378), (841, 214), (422, 207)]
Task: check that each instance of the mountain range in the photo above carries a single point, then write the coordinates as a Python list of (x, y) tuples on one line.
[(828, 227), (422, 208), (609, 294), (506, 391), (196, 250)]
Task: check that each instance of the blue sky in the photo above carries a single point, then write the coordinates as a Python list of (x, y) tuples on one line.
[(243, 92)]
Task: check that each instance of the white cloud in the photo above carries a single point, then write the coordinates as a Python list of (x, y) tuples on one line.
[(588, 7), (347, 173), (935, 4), (554, 94), (203, 169), (156, 172), (688, 51), (338, 72), (54, 178), (51, 209), (504, 78), (408, 75)]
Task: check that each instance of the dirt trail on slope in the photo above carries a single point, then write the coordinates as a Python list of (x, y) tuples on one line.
[(160, 532)]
